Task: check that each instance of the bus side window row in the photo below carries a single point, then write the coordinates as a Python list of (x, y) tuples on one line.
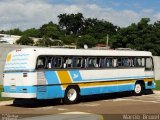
[(52, 62), (49, 62)]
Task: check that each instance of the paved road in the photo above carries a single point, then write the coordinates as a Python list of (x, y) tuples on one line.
[(123, 103)]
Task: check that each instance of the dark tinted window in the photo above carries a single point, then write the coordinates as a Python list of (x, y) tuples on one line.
[(41, 62), (53, 62)]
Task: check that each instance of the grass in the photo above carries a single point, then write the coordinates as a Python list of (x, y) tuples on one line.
[(157, 85), (1, 98)]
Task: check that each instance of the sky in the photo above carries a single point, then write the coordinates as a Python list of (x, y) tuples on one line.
[(25, 14)]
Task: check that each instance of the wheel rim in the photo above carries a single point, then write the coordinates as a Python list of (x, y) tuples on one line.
[(72, 94), (138, 88)]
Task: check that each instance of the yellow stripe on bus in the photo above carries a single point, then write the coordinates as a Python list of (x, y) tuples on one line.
[(148, 79), (105, 83), (125, 82), (64, 78)]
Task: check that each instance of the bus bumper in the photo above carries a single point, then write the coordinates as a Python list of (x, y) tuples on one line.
[(19, 95)]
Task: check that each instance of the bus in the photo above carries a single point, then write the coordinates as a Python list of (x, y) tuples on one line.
[(50, 73)]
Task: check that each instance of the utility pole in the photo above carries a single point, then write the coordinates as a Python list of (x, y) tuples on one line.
[(107, 40)]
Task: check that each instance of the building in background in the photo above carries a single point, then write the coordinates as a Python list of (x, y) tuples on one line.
[(11, 39), (8, 39)]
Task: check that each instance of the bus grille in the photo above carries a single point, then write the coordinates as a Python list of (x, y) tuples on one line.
[(41, 81), (41, 78)]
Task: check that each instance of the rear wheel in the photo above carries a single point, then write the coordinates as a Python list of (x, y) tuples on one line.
[(71, 95), (138, 89)]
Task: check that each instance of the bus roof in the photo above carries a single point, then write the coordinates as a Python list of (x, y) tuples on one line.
[(85, 52), (25, 59)]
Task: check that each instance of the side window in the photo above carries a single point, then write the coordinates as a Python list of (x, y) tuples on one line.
[(149, 64), (41, 62), (92, 62), (119, 62), (49, 62), (143, 62), (102, 62), (84, 63), (115, 62), (67, 62), (109, 62), (137, 62), (125, 62), (131, 63), (77, 62), (57, 62)]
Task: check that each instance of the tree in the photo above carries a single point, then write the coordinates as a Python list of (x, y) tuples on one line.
[(45, 41), (33, 32), (50, 30), (25, 40), (72, 23), (98, 28), (15, 31), (140, 36), (86, 39), (68, 39)]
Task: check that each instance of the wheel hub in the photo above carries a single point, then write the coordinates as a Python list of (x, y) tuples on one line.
[(72, 94), (138, 88)]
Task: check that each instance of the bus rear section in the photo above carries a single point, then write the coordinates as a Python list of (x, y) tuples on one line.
[(19, 74)]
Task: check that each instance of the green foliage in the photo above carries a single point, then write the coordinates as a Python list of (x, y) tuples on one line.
[(98, 28), (157, 85), (72, 23), (50, 30), (25, 40), (77, 25), (1, 98), (32, 32), (86, 39), (45, 41), (68, 39), (15, 31), (140, 36)]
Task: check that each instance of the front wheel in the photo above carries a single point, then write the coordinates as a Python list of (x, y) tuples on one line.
[(138, 89), (71, 95)]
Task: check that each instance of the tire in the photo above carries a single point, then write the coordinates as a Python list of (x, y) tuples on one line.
[(71, 95), (138, 89)]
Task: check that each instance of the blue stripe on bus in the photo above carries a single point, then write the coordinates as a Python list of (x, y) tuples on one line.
[(18, 72), (106, 89), (56, 92), (75, 74), (51, 77), (150, 86), (19, 89), (51, 91)]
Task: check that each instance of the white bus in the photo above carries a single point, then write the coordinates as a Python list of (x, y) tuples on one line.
[(47, 73)]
